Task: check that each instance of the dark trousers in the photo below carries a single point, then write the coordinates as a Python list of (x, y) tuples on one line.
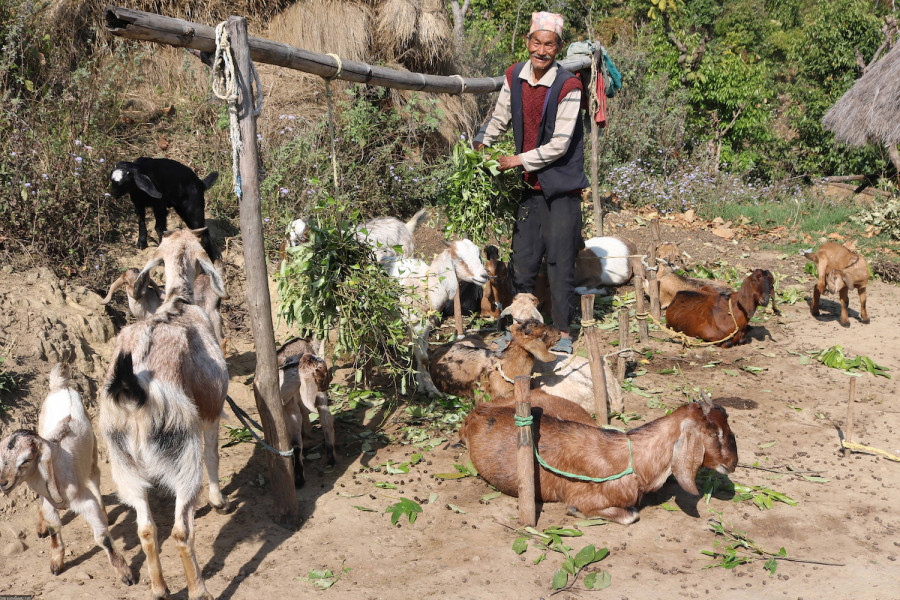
[(553, 228)]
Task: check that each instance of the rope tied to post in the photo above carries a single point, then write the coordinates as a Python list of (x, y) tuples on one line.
[(337, 73), (243, 417), (225, 87), (529, 422)]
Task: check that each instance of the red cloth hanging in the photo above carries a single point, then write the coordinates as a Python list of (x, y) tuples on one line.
[(600, 117)]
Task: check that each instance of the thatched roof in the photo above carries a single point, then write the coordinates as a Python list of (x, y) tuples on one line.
[(869, 112)]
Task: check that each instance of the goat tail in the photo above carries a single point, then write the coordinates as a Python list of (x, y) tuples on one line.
[(210, 179), (59, 377), (417, 219), (124, 383)]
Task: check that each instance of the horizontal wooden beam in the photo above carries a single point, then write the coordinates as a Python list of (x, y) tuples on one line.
[(139, 25)]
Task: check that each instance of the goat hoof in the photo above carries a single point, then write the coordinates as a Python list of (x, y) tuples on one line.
[(43, 532), (865, 321), (222, 509), (127, 579), (56, 569), (847, 324)]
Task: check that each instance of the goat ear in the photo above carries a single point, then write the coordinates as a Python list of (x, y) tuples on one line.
[(146, 185), (848, 281), (687, 456), (45, 468), (199, 232), (505, 311), (140, 282), (536, 314), (705, 402), (539, 350), (215, 280)]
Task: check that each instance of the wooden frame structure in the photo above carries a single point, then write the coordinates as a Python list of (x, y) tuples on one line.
[(144, 26)]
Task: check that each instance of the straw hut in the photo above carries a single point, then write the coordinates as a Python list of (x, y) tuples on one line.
[(869, 112)]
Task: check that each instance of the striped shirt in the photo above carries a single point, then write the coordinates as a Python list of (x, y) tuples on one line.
[(566, 117)]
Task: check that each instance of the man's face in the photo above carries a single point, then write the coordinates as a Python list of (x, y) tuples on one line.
[(542, 49)]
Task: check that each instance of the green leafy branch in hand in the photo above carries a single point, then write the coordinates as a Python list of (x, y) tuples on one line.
[(551, 540), (835, 358)]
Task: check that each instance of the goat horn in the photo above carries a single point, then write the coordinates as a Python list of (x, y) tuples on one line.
[(118, 283), (705, 402), (140, 282)]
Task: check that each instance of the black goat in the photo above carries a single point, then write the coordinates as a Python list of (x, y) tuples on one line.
[(161, 183)]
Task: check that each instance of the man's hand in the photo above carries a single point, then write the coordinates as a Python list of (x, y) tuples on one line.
[(509, 162)]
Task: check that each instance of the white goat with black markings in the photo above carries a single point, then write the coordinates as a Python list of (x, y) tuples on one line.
[(60, 464), (160, 404), (427, 287)]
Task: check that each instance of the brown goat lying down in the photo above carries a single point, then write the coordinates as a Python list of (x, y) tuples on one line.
[(707, 313), (695, 435), (460, 368)]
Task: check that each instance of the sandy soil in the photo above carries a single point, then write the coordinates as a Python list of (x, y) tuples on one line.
[(791, 413)]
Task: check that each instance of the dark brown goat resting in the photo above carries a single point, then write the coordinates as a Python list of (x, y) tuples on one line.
[(695, 435), (711, 315)]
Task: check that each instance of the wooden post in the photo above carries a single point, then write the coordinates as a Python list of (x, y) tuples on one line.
[(525, 455), (624, 334), (848, 434), (595, 359), (457, 315), (595, 161), (652, 276), (265, 384), (637, 269)]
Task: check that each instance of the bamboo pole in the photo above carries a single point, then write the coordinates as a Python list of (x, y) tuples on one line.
[(139, 25), (595, 359), (525, 455), (265, 383), (848, 435), (624, 334), (595, 160), (652, 277), (637, 269)]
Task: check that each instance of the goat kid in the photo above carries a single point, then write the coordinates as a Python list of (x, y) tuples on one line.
[(428, 287), (670, 283), (498, 288), (161, 183), (160, 404), (60, 464), (303, 378), (840, 270), (141, 303), (603, 261), (711, 315), (460, 368), (695, 435)]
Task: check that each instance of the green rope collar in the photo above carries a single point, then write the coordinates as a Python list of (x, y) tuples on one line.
[(529, 420)]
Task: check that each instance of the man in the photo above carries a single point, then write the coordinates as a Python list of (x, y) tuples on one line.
[(542, 100)]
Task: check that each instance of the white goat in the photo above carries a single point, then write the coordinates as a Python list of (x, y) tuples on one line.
[(60, 464), (427, 288), (383, 234), (160, 404), (602, 261)]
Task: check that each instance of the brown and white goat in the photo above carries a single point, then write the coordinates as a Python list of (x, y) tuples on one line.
[(840, 270), (695, 435), (60, 464), (711, 315), (497, 289), (303, 378), (160, 404), (460, 368), (145, 297), (427, 288), (603, 261), (671, 254)]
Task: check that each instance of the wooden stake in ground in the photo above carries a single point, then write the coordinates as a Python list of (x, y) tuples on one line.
[(525, 455), (595, 359), (624, 325), (265, 383), (652, 275), (457, 315), (637, 269), (848, 434)]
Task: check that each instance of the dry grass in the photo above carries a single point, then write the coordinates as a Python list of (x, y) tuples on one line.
[(435, 33), (326, 26), (395, 27)]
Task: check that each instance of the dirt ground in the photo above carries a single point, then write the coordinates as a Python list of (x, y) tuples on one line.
[(791, 412)]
